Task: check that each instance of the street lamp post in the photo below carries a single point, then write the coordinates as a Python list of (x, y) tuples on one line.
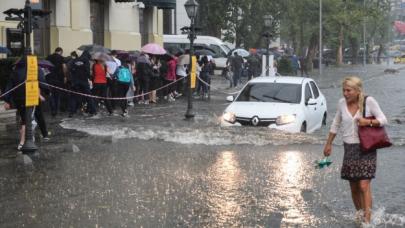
[(364, 34), (29, 144), (25, 18), (191, 9), (320, 38), (267, 24)]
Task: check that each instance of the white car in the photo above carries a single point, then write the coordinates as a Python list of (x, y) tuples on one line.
[(292, 104)]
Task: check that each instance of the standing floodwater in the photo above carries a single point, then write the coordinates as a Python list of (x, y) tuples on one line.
[(154, 169)]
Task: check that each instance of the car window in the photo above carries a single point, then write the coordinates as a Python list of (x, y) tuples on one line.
[(308, 93), (226, 48), (314, 89), (217, 50), (271, 92)]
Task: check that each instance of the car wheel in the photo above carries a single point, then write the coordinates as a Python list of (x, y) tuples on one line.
[(303, 127), (324, 119)]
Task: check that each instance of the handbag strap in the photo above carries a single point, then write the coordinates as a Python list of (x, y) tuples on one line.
[(364, 106)]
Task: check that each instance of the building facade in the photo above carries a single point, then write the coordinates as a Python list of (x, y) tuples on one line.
[(398, 10), (115, 24)]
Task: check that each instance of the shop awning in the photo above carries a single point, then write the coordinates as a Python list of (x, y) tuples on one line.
[(161, 4)]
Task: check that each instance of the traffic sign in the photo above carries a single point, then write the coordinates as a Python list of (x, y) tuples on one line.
[(32, 68), (31, 93), (193, 72)]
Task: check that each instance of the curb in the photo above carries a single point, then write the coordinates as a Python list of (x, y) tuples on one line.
[(6, 114)]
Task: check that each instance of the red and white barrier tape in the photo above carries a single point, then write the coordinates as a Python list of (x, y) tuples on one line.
[(108, 98), (216, 89), (11, 90)]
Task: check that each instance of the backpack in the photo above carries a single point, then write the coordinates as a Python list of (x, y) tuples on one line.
[(123, 75)]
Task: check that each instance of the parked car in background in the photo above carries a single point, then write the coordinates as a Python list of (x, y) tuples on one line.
[(182, 42), (292, 104)]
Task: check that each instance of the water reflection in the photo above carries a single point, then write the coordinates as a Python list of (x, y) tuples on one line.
[(291, 181), (291, 168), (225, 197)]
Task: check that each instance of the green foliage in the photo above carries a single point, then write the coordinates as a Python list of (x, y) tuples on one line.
[(297, 22), (342, 23), (285, 66), (239, 21)]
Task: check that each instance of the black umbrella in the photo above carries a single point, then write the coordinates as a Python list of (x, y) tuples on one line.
[(42, 63), (93, 48), (128, 55), (45, 64), (204, 52), (174, 50)]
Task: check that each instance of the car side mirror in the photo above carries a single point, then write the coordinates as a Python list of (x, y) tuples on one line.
[(230, 98), (310, 101)]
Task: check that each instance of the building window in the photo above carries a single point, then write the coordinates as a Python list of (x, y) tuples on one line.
[(42, 33), (15, 41), (167, 21), (97, 21)]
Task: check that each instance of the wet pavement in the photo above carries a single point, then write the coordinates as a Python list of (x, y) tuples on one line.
[(154, 169)]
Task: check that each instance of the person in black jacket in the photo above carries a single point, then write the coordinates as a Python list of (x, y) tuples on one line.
[(144, 74), (57, 77), (80, 82), (17, 98), (206, 70)]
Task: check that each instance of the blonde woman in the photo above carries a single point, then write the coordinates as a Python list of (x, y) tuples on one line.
[(358, 168)]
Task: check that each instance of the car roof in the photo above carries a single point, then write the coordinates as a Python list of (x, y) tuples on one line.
[(280, 79)]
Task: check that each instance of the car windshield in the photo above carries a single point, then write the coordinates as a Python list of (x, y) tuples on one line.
[(226, 48), (271, 92)]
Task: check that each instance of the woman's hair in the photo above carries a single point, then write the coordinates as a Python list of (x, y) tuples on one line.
[(355, 83), (204, 59), (125, 64)]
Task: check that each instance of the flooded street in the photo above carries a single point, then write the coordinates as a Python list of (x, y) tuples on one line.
[(155, 169)]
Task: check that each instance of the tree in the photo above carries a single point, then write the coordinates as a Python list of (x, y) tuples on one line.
[(297, 22), (378, 25), (239, 21), (211, 16)]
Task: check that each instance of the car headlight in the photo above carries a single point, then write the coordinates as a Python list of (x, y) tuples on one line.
[(229, 117), (285, 119)]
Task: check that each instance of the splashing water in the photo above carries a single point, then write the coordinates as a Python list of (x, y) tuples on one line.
[(213, 135)]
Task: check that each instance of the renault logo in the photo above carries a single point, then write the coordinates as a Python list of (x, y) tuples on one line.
[(255, 120)]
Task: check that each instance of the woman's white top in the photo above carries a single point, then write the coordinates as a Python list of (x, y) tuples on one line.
[(181, 71), (347, 124)]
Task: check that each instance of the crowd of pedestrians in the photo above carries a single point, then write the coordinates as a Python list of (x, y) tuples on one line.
[(90, 83), (146, 79)]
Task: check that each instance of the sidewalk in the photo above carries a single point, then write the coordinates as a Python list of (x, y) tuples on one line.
[(6, 116)]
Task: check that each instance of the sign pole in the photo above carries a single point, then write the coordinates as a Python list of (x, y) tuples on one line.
[(32, 82), (190, 112)]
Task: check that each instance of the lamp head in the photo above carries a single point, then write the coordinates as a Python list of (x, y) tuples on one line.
[(267, 20), (191, 8)]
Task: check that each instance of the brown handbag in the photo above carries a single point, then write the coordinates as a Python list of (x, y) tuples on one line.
[(372, 138)]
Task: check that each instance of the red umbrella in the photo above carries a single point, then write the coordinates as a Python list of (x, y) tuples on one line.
[(154, 49), (400, 27)]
